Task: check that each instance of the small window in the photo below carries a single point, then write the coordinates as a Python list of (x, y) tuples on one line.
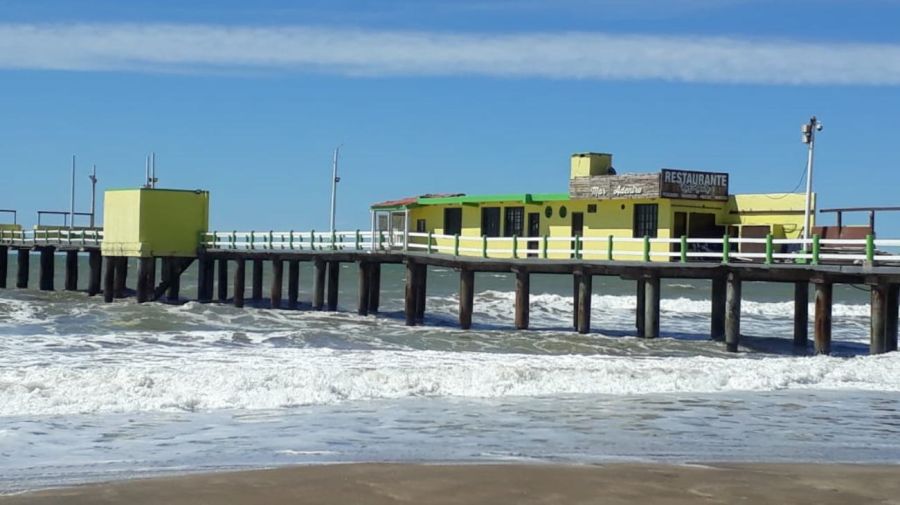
[(421, 226), (645, 220), (514, 221), (548, 212), (563, 211), (592, 208), (452, 221)]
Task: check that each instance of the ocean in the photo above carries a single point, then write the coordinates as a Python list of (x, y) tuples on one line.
[(95, 392)]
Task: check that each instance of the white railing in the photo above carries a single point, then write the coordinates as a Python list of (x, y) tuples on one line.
[(725, 249), (52, 237)]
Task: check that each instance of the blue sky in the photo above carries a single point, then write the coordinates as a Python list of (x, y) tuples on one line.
[(248, 99)]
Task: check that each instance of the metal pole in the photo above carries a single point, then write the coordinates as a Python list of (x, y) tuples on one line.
[(93, 178), (153, 170), (147, 172), (372, 245), (810, 139), (334, 180), (72, 199)]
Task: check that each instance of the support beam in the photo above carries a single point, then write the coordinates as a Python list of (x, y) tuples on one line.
[(583, 302), (121, 277), (4, 264), (334, 273), (23, 260), (374, 287), (239, 282), (319, 284), (523, 292), (717, 315), (651, 307), (256, 281), (640, 307), (95, 268), (222, 284), (362, 291), (801, 314), (145, 279), (823, 318), (892, 310), (466, 298), (277, 280), (878, 309), (421, 292), (71, 283), (411, 293), (293, 283), (47, 268), (732, 312), (109, 278), (204, 294)]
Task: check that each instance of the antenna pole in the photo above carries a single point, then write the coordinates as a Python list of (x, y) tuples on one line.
[(72, 199), (809, 138), (93, 178), (153, 170), (334, 180)]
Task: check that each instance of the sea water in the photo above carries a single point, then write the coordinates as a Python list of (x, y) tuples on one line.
[(92, 391)]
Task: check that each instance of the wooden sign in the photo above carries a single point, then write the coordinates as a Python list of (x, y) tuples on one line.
[(614, 187), (693, 185)]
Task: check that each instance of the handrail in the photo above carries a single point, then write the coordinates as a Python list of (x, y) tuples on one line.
[(609, 247), (54, 236)]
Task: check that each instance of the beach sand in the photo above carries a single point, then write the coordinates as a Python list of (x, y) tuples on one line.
[(820, 484)]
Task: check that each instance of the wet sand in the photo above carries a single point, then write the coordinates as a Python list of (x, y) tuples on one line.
[(375, 484)]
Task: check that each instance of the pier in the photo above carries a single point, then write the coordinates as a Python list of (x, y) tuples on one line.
[(158, 278)]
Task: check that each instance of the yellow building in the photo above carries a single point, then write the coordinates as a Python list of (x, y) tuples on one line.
[(600, 204)]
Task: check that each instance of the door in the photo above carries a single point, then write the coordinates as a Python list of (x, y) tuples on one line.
[(490, 221), (577, 227), (534, 230), (679, 229)]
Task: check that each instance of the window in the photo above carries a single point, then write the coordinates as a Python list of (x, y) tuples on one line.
[(452, 221), (563, 212), (592, 208), (421, 226), (645, 220), (514, 222), (490, 221)]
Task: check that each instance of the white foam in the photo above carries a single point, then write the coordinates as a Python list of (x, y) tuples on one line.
[(269, 378)]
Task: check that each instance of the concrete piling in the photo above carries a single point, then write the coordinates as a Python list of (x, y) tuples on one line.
[(639, 316), (523, 291), (651, 307), (204, 294), (732, 312), (293, 283), (4, 262), (239, 282), (584, 302), (145, 279), (334, 272), (411, 292), (801, 314), (47, 268), (823, 317), (172, 273), (374, 287), (878, 319), (363, 289), (23, 260), (71, 283), (318, 284), (121, 277), (95, 267), (109, 278), (890, 326), (256, 280), (421, 292), (222, 281), (717, 312), (277, 280), (466, 297), (576, 285)]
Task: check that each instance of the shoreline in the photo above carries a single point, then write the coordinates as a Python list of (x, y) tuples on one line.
[(478, 483)]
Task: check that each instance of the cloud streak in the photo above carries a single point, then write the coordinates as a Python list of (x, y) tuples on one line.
[(355, 52)]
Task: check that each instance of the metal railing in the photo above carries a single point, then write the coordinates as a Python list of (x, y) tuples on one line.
[(612, 248), (27, 238)]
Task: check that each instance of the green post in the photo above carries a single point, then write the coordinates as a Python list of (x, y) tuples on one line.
[(381, 240), (358, 240), (333, 241), (646, 248), (546, 241), (577, 247), (430, 238), (770, 249), (252, 239), (870, 248), (726, 248), (816, 249), (609, 248), (684, 249), (312, 239), (234, 239), (271, 240), (484, 246), (456, 244), (515, 246), (291, 240)]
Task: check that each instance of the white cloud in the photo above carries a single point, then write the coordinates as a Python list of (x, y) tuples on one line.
[(577, 55)]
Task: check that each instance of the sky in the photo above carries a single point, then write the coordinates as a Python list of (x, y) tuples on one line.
[(249, 99)]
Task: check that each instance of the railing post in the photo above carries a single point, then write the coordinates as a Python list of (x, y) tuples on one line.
[(271, 240), (456, 244), (769, 249), (291, 239), (312, 239), (333, 241), (646, 248), (381, 240), (577, 247), (684, 249), (870, 248), (484, 243), (815, 250), (252, 239), (726, 248), (358, 241), (430, 238), (546, 242), (609, 248), (515, 246)]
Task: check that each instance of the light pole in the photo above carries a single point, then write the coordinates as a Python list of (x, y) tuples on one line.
[(334, 180), (72, 199), (93, 178), (809, 138)]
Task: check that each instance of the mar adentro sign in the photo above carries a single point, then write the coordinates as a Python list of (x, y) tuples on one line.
[(693, 185)]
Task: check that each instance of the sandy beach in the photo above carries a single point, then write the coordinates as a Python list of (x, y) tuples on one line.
[(820, 484)]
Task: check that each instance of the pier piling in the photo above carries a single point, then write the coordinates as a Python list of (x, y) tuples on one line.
[(421, 291), (239, 281), (732, 312), (145, 279), (466, 297), (334, 272), (23, 259), (362, 305), (801, 314), (121, 277), (222, 284), (584, 302), (293, 283), (878, 320), (717, 311), (204, 294), (412, 291), (4, 262), (47, 268), (173, 276), (256, 281), (71, 283), (95, 267), (523, 292), (277, 280), (890, 327), (374, 287), (318, 284), (641, 298), (109, 278), (823, 317), (651, 307)]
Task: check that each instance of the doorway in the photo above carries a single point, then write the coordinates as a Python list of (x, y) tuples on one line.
[(490, 221), (534, 230), (577, 228)]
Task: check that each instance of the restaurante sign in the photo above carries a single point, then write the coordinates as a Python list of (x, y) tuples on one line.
[(694, 185)]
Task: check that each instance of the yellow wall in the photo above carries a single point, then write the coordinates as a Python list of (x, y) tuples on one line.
[(154, 222), (784, 209)]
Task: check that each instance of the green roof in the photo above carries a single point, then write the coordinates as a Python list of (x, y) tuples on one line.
[(478, 199)]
